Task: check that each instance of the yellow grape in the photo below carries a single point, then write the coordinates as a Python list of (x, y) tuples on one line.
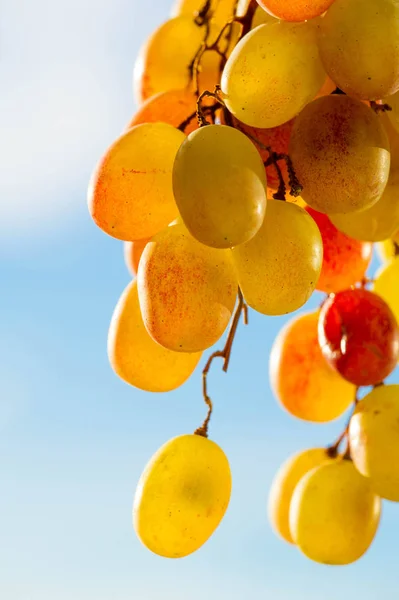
[(136, 358), (376, 223), (386, 285), (272, 73), (389, 248), (284, 484), (182, 496), (359, 46), (187, 290), (222, 10), (261, 17), (340, 152), (393, 137), (334, 514), (278, 269), (302, 381), (130, 194), (219, 183), (393, 115), (374, 440), (163, 62)]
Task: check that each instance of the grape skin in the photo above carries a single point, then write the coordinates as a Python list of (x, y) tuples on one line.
[(272, 73), (187, 291), (182, 496), (219, 183), (295, 10), (134, 355), (340, 152), (386, 285), (278, 269), (373, 435), (301, 379), (334, 514), (132, 252)]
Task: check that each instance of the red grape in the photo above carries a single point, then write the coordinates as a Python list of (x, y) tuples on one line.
[(359, 336), (345, 260)]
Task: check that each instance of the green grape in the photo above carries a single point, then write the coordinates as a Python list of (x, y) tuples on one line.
[(272, 73), (359, 46), (278, 269), (182, 496), (130, 195), (374, 440), (135, 357), (187, 290), (284, 484), (334, 514), (373, 224), (386, 285), (340, 152), (219, 182)]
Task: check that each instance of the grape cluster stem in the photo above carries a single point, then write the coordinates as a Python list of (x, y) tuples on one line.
[(225, 354)]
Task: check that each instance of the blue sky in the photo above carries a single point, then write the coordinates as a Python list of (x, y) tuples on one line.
[(73, 438)]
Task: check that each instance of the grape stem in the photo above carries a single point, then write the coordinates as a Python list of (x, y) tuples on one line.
[(225, 354), (332, 451), (377, 108)]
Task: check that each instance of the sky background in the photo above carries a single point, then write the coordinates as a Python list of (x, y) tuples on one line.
[(73, 438)]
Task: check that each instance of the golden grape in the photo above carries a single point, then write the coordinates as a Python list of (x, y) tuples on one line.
[(278, 269), (374, 440), (389, 248), (219, 183), (340, 152), (136, 358), (359, 46), (306, 386), (272, 73), (284, 484), (393, 137), (296, 10), (187, 290), (163, 62), (130, 194), (172, 107), (261, 17), (376, 223), (334, 514), (182, 496), (132, 252), (386, 285)]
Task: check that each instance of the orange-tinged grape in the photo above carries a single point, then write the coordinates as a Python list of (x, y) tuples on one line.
[(164, 61), (277, 138), (296, 10), (327, 88), (272, 73), (374, 440), (172, 107), (340, 152), (345, 260), (136, 358), (219, 184), (130, 194), (334, 514), (389, 248), (132, 253), (306, 386), (373, 224), (386, 285), (284, 484), (182, 496), (359, 46), (278, 269), (187, 290), (222, 10)]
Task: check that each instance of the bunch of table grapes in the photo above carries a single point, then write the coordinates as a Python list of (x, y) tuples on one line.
[(263, 164)]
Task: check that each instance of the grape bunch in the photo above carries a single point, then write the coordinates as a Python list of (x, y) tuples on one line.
[(261, 165)]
